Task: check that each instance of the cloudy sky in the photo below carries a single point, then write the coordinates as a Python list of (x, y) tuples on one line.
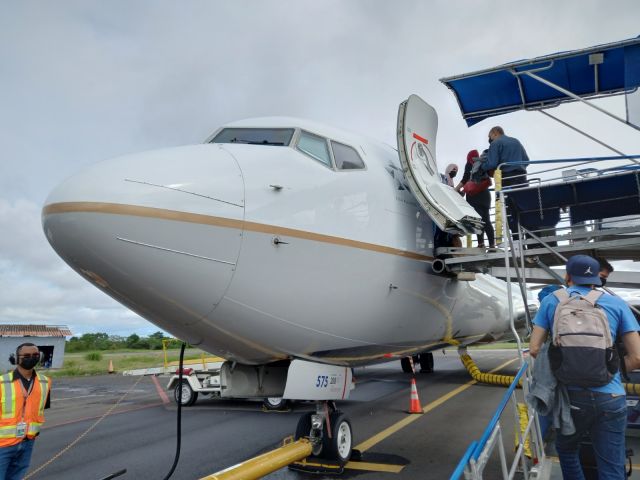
[(81, 81)]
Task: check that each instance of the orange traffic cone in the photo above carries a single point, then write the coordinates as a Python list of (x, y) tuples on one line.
[(111, 370), (414, 404)]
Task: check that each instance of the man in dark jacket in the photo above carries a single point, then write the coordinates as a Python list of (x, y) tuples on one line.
[(508, 152)]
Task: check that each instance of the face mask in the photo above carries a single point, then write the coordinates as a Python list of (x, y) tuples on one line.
[(29, 363), (453, 173), (603, 281)]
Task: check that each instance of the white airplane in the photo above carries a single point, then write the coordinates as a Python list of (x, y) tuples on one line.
[(292, 249)]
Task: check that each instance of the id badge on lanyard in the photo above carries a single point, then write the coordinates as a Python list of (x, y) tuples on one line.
[(21, 427)]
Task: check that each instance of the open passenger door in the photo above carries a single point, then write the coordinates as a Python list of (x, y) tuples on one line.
[(417, 128)]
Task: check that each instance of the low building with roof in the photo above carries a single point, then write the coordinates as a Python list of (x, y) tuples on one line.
[(50, 339)]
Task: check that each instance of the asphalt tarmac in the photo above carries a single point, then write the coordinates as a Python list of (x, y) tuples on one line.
[(139, 433)]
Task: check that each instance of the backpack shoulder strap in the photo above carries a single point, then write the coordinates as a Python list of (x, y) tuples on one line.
[(562, 294), (593, 296), (563, 298)]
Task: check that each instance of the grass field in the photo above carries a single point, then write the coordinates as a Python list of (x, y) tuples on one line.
[(76, 364)]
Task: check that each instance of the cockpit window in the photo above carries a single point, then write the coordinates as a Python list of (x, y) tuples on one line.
[(346, 157), (315, 146), (255, 136)]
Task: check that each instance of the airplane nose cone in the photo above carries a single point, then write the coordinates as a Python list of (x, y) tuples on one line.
[(160, 231)]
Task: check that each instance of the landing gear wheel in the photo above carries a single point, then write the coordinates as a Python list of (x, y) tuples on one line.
[(183, 393), (275, 403), (338, 447), (426, 362), (303, 430), (405, 363)]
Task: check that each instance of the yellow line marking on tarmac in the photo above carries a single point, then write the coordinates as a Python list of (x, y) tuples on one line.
[(374, 467), (387, 432)]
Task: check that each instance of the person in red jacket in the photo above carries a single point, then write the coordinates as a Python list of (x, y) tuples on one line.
[(480, 201)]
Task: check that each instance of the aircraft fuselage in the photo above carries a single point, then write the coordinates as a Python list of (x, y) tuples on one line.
[(259, 252)]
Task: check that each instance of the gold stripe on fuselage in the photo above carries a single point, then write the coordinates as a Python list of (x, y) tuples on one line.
[(173, 215)]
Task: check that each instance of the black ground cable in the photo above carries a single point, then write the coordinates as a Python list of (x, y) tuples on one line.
[(179, 421), (115, 474)]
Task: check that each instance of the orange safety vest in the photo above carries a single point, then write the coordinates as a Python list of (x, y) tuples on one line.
[(15, 408)]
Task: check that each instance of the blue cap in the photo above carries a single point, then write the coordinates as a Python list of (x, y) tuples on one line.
[(584, 270)]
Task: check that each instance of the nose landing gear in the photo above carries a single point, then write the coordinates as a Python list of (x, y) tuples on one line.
[(329, 431)]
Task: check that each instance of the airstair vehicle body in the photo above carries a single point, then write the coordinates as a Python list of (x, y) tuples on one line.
[(562, 208)]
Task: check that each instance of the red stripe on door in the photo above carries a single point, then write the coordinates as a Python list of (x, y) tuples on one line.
[(422, 139)]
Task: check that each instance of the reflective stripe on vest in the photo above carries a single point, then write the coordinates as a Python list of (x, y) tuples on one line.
[(8, 432), (44, 390), (34, 429), (32, 411), (8, 396)]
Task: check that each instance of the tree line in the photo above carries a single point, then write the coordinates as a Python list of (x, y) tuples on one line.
[(103, 341)]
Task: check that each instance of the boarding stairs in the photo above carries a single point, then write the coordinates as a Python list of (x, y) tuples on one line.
[(609, 228), (563, 208), (557, 220)]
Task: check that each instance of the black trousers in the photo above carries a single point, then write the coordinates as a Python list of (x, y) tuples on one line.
[(514, 178), (481, 204)]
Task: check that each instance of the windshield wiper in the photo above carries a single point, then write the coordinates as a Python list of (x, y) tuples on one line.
[(249, 142)]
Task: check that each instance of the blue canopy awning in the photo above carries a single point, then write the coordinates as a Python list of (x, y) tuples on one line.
[(598, 71)]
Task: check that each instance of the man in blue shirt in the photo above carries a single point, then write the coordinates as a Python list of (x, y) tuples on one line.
[(508, 152), (598, 411)]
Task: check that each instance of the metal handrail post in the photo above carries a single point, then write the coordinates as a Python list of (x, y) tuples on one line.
[(538, 438), (486, 452), (521, 279), (473, 470), (516, 418), (497, 179), (524, 276), (520, 453), (503, 455), (507, 233)]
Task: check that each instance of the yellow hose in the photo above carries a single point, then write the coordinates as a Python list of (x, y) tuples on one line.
[(489, 378), (506, 380), (523, 417), (632, 388)]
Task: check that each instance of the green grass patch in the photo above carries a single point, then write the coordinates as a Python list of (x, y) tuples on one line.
[(97, 362), (93, 356)]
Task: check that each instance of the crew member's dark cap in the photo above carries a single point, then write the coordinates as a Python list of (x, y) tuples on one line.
[(584, 270)]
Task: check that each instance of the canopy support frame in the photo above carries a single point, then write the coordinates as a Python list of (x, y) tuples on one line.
[(582, 132), (568, 93)]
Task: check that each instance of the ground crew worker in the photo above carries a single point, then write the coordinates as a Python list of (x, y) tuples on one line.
[(24, 396)]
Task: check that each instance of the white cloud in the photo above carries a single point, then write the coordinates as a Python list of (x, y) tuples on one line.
[(38, 287)]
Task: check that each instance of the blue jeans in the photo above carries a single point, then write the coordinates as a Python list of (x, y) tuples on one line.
[(603, 417), (14, 461)]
